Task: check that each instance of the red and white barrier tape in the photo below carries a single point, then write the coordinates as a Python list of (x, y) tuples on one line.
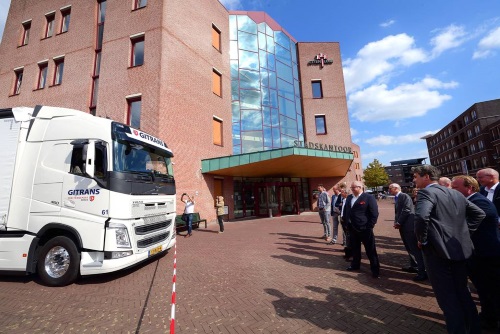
[(172, 311)]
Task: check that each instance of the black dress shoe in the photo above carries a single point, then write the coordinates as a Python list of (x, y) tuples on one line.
[(409, 270), (351, 268), (420, 278)]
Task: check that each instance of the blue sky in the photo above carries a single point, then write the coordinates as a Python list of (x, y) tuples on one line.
[(410, 67)]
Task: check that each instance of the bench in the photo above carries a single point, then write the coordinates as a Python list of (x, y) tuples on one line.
[(196, 221)]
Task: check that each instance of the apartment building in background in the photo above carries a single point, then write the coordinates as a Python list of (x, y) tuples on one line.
[(468, 143), (250, 113)]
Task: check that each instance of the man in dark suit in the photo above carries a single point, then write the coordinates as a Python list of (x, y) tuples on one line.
[(404, 213), (336, 200), (484, 264), (488, 179), (360, 215), (444, 221)]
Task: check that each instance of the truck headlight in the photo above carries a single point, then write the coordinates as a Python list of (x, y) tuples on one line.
[(121, 234)]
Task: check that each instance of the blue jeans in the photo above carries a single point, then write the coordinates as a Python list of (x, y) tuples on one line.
[(190, 222)]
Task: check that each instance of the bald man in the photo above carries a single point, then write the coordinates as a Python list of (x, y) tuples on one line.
[(488, 179), (445, 182), (360, 216)]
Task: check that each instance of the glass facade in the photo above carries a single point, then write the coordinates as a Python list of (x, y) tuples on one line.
[(266, 108)]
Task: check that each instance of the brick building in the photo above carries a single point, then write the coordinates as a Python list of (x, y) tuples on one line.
[(250, 113), (469, 142), (400, 172)]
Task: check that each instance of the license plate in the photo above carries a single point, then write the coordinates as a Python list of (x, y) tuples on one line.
[(155, 250)]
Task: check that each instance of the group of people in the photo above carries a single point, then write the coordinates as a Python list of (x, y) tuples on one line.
[(450, 231)]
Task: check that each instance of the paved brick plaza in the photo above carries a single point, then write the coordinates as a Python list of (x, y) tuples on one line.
[(272, 275)]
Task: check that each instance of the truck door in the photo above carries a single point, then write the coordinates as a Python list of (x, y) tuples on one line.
[(85, 184)]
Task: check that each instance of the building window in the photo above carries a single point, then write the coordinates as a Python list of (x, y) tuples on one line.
[(134, 111), (466, 119), (25, 37), (65, 19), (140, 3), (317, 90), (356, 165), (137, 43), (59, 70), (477, 129), (469, 133), (480, 144), (49, 24), (356, 155), (42, 75), (217, 130), (18, 80), (216, 82), (473, 114), (483, 161), (320, 124), (215, 37)]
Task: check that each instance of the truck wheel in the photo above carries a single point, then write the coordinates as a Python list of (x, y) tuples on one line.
[(58, 262)]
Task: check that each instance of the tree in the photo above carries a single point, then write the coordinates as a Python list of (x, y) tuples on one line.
[(375, 175)]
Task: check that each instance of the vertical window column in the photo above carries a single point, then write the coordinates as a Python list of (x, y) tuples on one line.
[(217, 82), (101, 16)]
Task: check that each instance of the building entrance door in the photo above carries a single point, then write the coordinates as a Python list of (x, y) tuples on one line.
[(276, 199)]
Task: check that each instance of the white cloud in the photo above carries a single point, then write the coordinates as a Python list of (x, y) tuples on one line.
[(373, 155), (378, 102), (377, 59), (448, 38), (387, 23), (354, 132), (486, 44), (383, 140)]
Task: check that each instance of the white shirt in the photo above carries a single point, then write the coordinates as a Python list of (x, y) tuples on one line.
[(189, 207), (491, 191), (354, 198)]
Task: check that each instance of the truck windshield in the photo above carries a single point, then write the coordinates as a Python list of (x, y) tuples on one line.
[(133, 157), (135, 151)]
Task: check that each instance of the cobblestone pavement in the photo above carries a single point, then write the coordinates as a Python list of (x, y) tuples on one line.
[(271, 275)]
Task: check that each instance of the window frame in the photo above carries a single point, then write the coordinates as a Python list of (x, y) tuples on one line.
[(50, 20), (216, 37), (18, 80), (313, 82), (43, 69), (65, 19), (25, 36), (134, 39), (217, 125), (137, 4), (316, 118), (130, 100), (58, 71), (216, 74)]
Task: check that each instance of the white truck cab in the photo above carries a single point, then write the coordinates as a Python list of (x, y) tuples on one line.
[(81, 195)]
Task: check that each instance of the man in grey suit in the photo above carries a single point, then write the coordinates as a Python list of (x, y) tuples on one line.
[(404, 213), (444, 221)]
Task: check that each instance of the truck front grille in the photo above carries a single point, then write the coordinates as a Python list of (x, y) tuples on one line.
[(143, 243), (151, 228)]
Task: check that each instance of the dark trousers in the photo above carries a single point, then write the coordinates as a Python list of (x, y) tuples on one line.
[(484, 272), (366, 238), (190, 222), (407, 232), (221, 223), (449, 282)]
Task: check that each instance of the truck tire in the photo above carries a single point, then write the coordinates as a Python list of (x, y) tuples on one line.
[(58, 262)]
